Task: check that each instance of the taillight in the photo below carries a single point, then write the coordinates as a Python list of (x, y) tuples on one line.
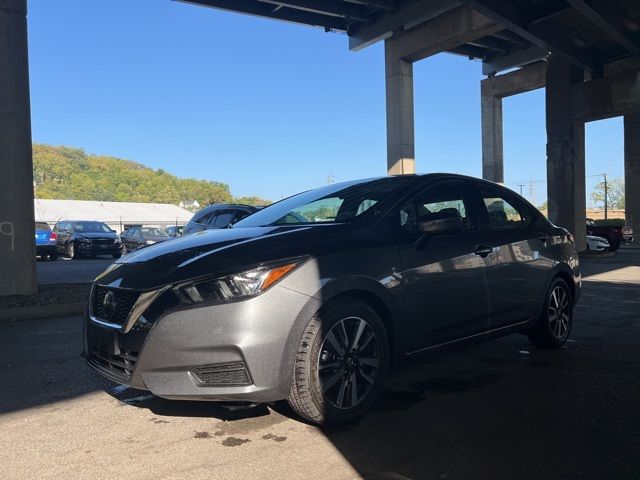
[(53, 237)]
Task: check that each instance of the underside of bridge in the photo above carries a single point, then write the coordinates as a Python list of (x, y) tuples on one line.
[(586, 53)]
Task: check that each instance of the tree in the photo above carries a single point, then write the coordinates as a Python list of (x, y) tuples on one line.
[(615, 193)]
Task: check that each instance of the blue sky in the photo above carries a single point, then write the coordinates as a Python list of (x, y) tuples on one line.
[(268, 107)]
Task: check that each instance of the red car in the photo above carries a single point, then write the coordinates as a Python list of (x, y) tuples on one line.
[(612, 233)]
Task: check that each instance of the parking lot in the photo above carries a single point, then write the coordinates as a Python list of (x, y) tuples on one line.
[(498, 410), (65, 270)]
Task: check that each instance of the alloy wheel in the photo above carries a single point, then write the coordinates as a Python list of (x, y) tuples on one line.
[(559, 312), (348, 363)]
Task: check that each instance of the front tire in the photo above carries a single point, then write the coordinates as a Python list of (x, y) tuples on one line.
[(340, 364), (556, 319), (71, 251)]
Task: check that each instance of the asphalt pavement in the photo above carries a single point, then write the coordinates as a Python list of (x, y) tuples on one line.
[(499, 410), (65, 270)]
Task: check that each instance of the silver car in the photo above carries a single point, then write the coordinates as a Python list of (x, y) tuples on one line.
[(313, 298)]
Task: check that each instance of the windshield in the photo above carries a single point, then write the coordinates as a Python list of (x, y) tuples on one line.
[(337, 203), (153, 232), (90, 227)]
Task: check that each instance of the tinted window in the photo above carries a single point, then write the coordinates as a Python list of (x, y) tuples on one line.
[(240, 214), (445, 197), (223, 219), (204, 217), (90, 227), (341, 202), (504, 213), (153, 232)]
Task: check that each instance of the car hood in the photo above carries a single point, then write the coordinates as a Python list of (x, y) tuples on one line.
[(218, 252)]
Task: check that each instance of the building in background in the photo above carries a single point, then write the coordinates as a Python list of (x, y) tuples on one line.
[(118, 215)]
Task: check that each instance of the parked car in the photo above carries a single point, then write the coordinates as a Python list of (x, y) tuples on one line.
[(174, 230), (217, 216), (45, 242), (597, 244), (611, 233), (138, 237), (76, 238), (312, 298)]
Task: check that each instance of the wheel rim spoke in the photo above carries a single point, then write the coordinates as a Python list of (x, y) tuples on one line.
[(331, 381), (354, 389), (356, 338), (331, 338), (369, 361), (559, 312), (341, 391)]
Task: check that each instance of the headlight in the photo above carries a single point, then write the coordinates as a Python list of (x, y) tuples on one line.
[(237, 286), (86, 241)]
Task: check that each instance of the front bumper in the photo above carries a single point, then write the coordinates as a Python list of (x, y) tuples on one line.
[(85, 249), (165, 356)]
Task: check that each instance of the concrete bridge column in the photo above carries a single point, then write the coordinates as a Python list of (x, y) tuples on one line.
[(492, 142), (565, 152), (400, 120), (17, 245), (632, 173)]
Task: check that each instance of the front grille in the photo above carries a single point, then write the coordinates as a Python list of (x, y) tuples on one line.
[(222, 374), (105, 241), (117, 367), (125, 300)]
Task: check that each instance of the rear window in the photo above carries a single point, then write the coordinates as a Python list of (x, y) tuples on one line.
[(42, 226)]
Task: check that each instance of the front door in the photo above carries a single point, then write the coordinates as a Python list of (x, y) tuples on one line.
[(445, 290)]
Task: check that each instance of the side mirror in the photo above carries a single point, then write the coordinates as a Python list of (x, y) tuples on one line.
[(441, 223)]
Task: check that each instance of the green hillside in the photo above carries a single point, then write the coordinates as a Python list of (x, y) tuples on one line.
[(70, 173)]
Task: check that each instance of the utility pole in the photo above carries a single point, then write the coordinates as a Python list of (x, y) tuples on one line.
[(521, 185), (330, 179), (606, 195)]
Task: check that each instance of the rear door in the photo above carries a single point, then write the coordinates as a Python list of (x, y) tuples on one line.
[(445, 292), (520, 257)]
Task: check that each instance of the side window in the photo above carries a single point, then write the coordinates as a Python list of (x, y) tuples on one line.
[(223, 219), (504, 213), (445, 198), (240, 214), (203, 217)]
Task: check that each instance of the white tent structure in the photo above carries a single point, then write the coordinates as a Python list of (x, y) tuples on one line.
[(118, 215)]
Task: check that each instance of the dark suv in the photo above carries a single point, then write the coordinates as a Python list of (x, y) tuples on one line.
[(312, 298), (76, 238), (217, 216)]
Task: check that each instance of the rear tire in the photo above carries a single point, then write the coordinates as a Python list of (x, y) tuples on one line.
[(556, 319), (334, 383)]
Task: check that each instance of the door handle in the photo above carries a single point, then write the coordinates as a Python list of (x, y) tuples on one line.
[(483, 250)]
